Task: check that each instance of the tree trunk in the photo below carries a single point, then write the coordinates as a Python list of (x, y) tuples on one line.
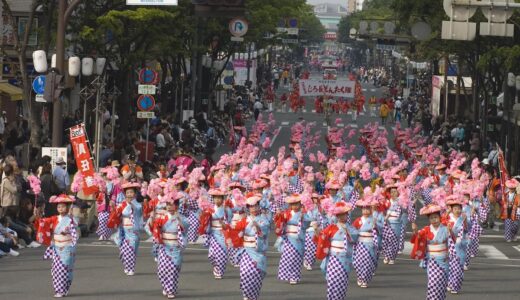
[(123, 102)]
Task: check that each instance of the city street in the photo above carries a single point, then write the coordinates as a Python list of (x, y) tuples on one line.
[(98, 272), (132, 123)]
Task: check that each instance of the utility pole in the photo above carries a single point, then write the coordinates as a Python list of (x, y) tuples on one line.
[(64, 12)]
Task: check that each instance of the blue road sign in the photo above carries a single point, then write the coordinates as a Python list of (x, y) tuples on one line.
[(293, 23), (38, 84), (146, 103)]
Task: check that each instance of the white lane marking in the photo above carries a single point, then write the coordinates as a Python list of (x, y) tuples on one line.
[(353, 125), (381, 127), (407, 250), (341, 125), (517, 248), (285, 123), (372, 90), (492, 252), (361, 113), (364, 90), (408, 247), (497, 226), (313, 110), (325, 124), (304, 110), (274, 137)]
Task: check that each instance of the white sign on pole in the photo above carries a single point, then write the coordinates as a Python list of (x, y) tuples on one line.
[(146, 89), (152, 2), (335, 88), (54, 153), (39, 98), (292, 31), (145, 115)]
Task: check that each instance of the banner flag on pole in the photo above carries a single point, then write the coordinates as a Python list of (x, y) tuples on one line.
[(78, 141)]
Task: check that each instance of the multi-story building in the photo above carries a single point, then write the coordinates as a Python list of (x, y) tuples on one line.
[(330, 14), (10, 93)]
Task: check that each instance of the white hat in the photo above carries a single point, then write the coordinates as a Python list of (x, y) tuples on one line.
[(485, 161), (4, 112), (60, 161)]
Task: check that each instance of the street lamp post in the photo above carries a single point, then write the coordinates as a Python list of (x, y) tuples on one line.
[(64, 12)]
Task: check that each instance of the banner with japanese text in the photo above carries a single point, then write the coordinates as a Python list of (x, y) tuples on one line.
[(334, 88), (78, 140)]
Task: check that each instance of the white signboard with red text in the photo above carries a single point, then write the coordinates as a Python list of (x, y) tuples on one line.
[(334, 88)]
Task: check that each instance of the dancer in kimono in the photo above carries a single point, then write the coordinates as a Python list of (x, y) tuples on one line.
[(365, 257), (59, 233), (188, 208), (476, 212), (511, 210), (213, 223), (335, 248), (458, 242), (127, 217), (154, 209), (103, 202), (290, 228), (316, 220), (253, 261), (392, 228), (170, 232), (431, 246)]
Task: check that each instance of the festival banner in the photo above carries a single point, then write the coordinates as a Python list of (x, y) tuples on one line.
[(78, 140), (504, 175), (334, 88)]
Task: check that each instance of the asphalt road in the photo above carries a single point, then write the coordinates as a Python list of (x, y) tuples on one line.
[(98, 273)]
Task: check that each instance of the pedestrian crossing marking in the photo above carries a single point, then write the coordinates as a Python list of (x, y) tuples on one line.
[(517, 248), (372, 90), (313, 110), (492, 252), (361, 113), (304, 110), (285, 123)]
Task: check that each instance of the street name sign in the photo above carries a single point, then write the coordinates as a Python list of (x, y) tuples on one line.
[(145, 115)]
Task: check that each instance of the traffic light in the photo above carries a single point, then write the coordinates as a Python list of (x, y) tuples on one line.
[(53, 87)]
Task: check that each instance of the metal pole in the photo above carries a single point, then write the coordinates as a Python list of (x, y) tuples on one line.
[(446, 85), (113, 120), (98, 129), (57, 109), (147, 135), (248, 63)]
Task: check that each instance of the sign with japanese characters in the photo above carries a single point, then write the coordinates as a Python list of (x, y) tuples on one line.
[(78, 141), (335, 88), (54, 153)]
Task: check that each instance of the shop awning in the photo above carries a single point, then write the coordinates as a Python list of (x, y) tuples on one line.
[(14, 92)]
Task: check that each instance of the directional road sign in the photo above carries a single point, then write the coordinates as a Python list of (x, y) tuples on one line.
[(238, 27), (146, 103), (38, 84)]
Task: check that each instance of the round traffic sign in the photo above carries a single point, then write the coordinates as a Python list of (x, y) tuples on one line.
[(38, 84), (293, 23), (147, 76), (238, 27), (146, 103)]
